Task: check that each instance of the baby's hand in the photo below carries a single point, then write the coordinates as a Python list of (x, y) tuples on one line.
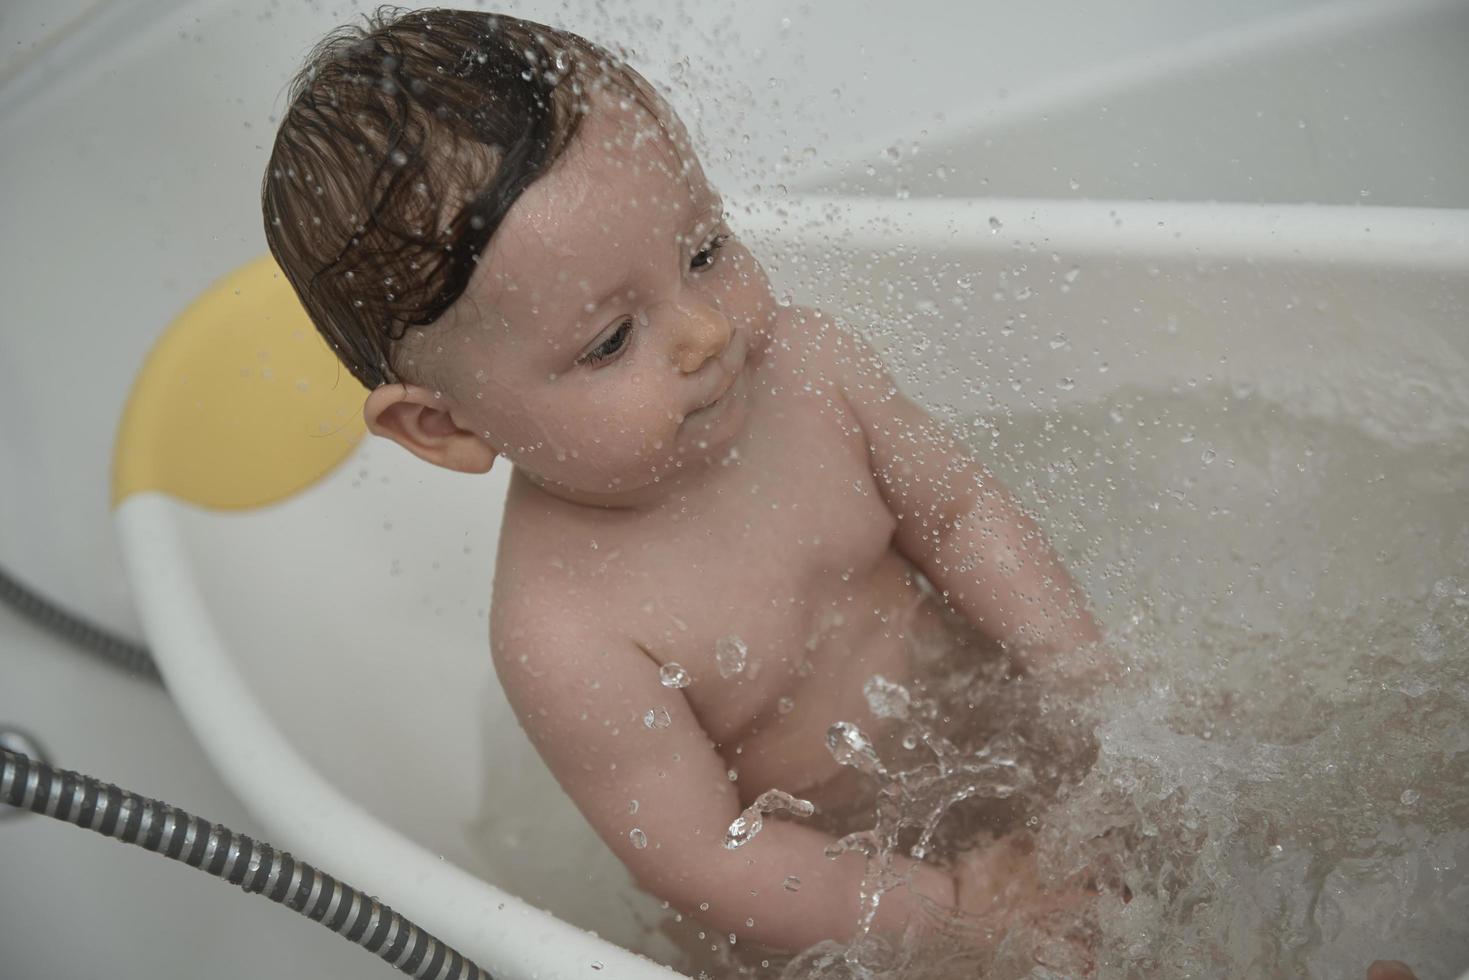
[(1001, 881), (1390, 970), (998, 888)]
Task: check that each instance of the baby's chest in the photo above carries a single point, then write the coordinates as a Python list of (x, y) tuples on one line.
[(761, 565)]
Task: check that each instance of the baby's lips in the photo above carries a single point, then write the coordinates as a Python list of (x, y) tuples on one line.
[(724, 390), (728, 383)]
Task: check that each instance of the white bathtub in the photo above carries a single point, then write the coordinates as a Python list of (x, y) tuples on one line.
[(336, 671), (330, 650)]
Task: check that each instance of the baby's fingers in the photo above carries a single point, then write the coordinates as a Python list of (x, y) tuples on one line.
[(1390, 970)]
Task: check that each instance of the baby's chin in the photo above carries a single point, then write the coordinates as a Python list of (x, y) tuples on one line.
[(639, 478), (703, 438)]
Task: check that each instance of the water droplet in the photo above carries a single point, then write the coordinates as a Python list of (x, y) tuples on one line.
[(657, 718), (749, 823), (632, 806), (1072, 274), (1066, 384), (785, 706), (674, 675), (1208, 455), (638, 838), (850, 747), (1074, 184), (995, 225), (791, 884), (730, 652), (1409, 797), (886, 699)]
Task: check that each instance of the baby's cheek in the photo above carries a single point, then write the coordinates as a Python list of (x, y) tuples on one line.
[(747, 290), (653, 430)]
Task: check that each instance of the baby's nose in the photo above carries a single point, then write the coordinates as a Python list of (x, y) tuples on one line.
[(702, 333)]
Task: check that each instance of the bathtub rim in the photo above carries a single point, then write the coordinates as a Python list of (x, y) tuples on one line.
[(1431, 239), (501, 932)]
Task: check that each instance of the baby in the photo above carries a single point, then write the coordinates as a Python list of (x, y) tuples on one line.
[(723, 517)]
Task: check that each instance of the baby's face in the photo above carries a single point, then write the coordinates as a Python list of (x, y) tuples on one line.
[(606, 338)]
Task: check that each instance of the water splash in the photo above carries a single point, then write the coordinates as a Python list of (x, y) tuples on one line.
[(749, 823), (729, 654), (1283, 787), (911, 800)]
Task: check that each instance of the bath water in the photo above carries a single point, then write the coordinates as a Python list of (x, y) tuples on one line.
[(1279, 784)]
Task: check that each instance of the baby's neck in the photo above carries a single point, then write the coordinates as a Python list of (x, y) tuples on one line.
[(648, 498)]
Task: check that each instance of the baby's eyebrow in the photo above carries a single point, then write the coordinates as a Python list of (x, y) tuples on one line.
[(704, 222), (715, 210)]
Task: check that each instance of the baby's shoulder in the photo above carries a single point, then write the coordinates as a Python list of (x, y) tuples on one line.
[(554, 584), (815, 343), (827, 356), (811, 338)]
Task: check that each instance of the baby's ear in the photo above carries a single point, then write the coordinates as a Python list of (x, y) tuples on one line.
[(412, 417)]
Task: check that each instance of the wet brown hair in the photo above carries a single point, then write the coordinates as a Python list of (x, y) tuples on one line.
[(403, 145)]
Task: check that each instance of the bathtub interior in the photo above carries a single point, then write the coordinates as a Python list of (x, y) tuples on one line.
[(1338, 104), (357, 613), (358, 621)]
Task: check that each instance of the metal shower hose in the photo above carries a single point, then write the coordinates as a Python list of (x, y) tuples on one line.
[(31, 784)]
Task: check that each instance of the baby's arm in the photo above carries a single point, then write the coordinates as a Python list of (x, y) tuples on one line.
[(582, 697), (956, 521)]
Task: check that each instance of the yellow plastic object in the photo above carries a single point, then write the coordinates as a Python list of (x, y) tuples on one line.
[(241, 403)]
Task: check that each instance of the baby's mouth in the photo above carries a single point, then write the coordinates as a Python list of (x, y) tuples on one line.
[(731, 377), (722, 392), (708, 407)]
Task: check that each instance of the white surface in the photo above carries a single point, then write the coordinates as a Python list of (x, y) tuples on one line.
[(132, 150), (1346, 103)]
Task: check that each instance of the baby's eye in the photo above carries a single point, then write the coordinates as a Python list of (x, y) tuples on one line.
[(611, 345), (704, 257)]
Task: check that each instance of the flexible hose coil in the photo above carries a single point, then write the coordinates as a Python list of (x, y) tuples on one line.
[(125, 654), (255, 866)]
